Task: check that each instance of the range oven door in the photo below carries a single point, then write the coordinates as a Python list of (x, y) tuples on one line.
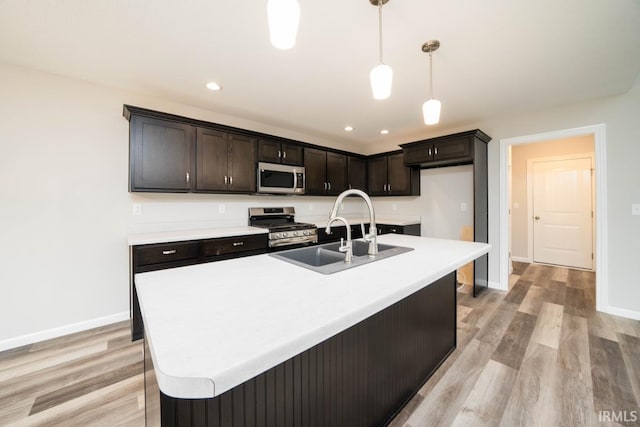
[(280, 179)]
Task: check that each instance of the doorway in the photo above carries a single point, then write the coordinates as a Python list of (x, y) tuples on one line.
[(561, 211), (599, 158)]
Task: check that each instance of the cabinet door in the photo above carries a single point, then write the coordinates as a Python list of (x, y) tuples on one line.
[(315, 168), (242, 164), (418, 153), (399, 176), (211, 160), (357, 168), (378, 176), (292, 155), (269, 151), (161, 155), (336, 173), (457, 150)]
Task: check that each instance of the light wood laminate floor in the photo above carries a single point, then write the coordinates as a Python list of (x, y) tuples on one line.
[(539, 355)]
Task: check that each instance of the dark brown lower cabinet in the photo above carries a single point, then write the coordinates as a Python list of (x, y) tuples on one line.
[(362, 376)]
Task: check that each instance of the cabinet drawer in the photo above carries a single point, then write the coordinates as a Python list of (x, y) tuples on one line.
[(229, 245), (165, 252)]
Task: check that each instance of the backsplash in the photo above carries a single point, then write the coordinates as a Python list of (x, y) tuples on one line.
[(168, 212), (438, 208)]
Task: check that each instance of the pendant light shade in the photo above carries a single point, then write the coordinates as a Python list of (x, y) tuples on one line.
[(431, 111), (382, 75), (431, 108), (381, 78), (283, 16)]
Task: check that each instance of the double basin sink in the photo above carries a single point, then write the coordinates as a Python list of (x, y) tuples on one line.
[(327, 259)]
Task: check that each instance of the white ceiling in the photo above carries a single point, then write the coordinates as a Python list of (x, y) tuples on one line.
[(497, 56)]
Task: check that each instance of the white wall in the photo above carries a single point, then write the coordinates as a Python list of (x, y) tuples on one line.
[(442, 192), (66, 212)]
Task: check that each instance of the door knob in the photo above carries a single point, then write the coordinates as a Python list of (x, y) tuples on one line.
[(536, 217)]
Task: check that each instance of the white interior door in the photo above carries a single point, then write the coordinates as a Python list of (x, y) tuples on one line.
[(562, 212)]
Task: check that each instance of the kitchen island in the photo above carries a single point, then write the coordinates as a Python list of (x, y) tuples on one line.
[(259, 341)]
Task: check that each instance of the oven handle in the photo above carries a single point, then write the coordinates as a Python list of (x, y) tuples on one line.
[(293, 241)]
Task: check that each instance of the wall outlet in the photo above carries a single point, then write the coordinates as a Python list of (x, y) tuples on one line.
[(516, 205), (222, 208), (463, 207), (635, 209), (137, 209)]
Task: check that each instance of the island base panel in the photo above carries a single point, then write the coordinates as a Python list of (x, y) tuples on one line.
[(361, 377)]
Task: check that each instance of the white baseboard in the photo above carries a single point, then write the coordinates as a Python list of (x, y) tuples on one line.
[(623, 312), (61, 331), (520, 259)]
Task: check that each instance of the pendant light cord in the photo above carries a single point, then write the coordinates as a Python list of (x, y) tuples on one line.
[(430, 74), (380, 27)]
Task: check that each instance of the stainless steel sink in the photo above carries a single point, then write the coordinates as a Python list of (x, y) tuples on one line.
[(359, 247), (315, 256), (326, 259)]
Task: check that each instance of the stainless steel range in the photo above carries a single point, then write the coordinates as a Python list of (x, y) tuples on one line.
[(283, 230)]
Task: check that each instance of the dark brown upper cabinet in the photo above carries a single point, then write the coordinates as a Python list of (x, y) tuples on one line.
[(273, 151), (388, 176), (449, 150), (357, 173), (225, 162), (325, 172), (161, 155)]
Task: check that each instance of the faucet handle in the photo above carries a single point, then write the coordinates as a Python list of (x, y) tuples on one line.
[(344, 247)]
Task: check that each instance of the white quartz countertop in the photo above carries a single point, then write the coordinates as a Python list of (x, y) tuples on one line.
[(182, 235), (210, 327)]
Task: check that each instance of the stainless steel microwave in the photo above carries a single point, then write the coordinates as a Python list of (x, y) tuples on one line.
[(280, 179)]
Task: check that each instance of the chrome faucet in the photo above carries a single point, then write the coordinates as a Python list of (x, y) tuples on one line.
[(372, 236), (344, 247)]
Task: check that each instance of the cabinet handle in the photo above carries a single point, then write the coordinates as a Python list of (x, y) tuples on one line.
[(429, 151), (325, 186), (329, 185), (170, 252), (225, 180), (279, 154), (238, 243), (187, 176), (230, 180), (436, 151), (389, 187), (284, 154)]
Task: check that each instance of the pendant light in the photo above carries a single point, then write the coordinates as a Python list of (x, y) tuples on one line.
[(283, 16), (431, 108), (382, 75)]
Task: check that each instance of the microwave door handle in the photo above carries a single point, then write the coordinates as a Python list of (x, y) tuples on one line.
[(295, 180)]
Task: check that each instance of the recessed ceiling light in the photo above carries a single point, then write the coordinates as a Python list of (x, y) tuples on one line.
[(348, 128), (213, 86), (384, 131)]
